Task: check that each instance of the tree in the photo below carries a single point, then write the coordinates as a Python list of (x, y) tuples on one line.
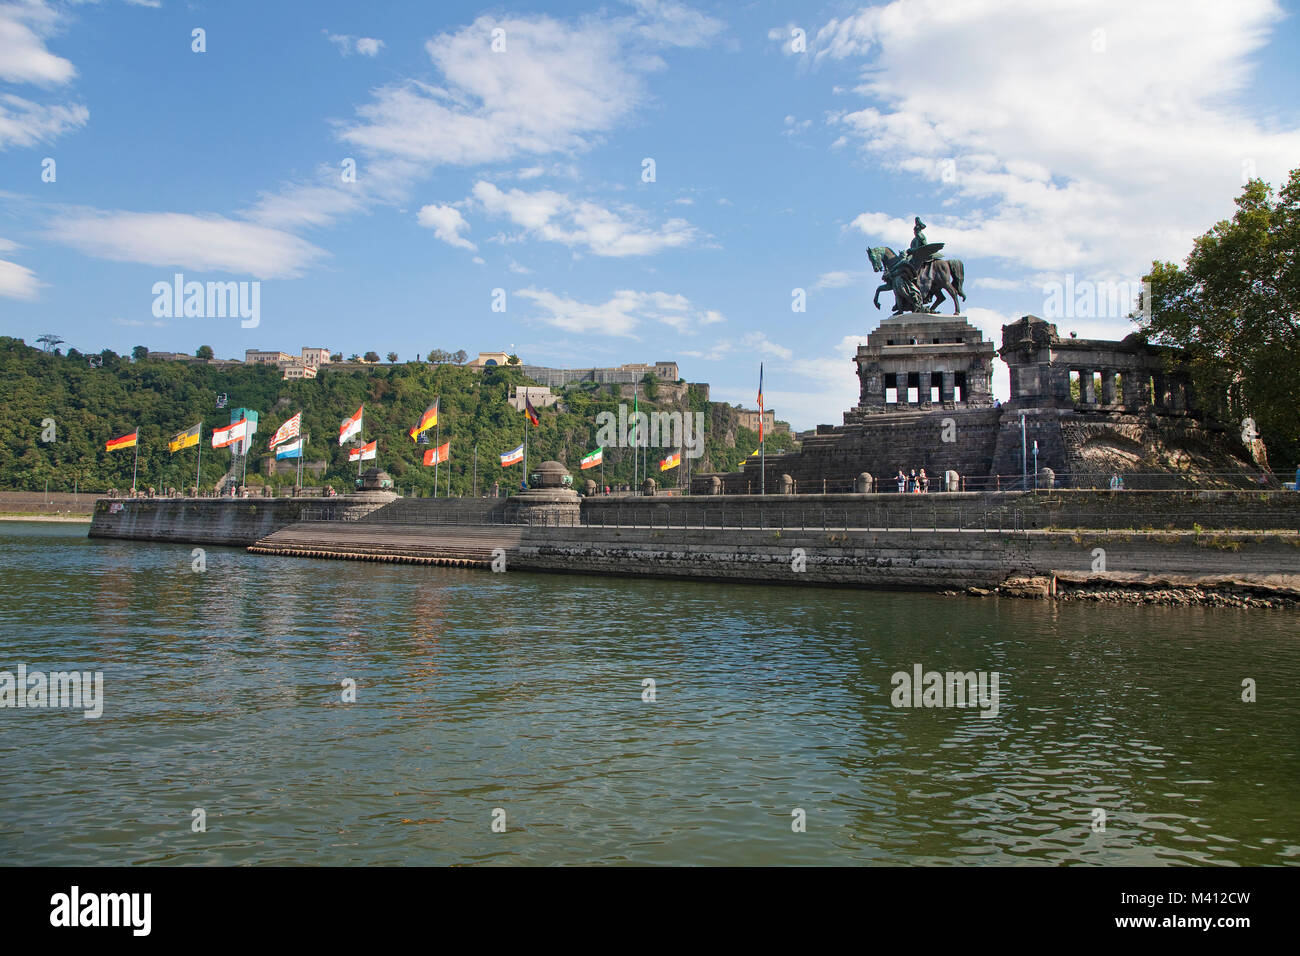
[(139, 353), (460, 357), (372, 357), (1235, 307), (392, 357), (438, 357), (336, 357), (354, 357), (204, 352), (512, 360), (651, 385)]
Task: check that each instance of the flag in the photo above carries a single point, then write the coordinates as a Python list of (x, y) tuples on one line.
[(512, 457), (530, 411), (289, 429), (126, 441), (593, 459), (350, 426), (754, 452), (672, 461), (760, 403), (364, 452), (291, 450), (185, 439), (427, 421), (234, 432), (439, 455)]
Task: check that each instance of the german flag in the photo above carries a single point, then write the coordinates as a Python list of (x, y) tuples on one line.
[(530, 411), (427, 421), (185, 439), (672, 461), (126, 441)]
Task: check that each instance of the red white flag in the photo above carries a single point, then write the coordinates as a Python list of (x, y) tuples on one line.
[(351, 426), (364, 452), (439, 455), (234, 432), (289, 429)]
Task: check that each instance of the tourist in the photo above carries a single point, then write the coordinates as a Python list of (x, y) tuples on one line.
[(911, 482), (901, 478), (925, 482)]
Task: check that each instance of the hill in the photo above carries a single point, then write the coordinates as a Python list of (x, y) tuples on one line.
[(89, 406)]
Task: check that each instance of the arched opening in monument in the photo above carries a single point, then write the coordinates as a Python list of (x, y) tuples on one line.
[(891, 388), (913, 388), (936, 387), (1076, 386), (959, 386)]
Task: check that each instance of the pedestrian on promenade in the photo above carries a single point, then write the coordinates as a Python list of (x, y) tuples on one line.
[(925, 482), (902, 481)]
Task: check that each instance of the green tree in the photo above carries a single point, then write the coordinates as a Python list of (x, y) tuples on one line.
[(392, 357), (204, 352), (372, 357), (1235, 307), (139, 353)]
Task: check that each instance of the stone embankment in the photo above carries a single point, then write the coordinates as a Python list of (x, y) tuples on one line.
[(978, 545)]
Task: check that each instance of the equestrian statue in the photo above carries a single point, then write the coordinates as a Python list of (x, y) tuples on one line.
[(920, 276)]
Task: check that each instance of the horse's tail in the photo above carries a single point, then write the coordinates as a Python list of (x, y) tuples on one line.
[(958, 276)]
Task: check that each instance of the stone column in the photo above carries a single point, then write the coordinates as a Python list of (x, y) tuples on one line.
[(1132, 389), (948, 388), (1108, 386), (1087, 388), (923, 389)]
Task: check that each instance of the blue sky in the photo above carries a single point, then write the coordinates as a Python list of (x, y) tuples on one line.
[(1038, 140)]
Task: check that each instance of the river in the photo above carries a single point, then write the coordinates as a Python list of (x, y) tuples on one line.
[(507, 718)]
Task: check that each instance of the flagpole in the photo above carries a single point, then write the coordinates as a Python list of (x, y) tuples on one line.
[(136, 466), (198, 468), (437, 433), (762, 437), (525, 450), (476, 469)]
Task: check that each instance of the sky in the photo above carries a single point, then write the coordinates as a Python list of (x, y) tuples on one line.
[(593, 184)]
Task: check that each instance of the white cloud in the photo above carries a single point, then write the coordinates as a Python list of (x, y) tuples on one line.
[(555, 217), (16, 282), (839, 279), (347, 44), (24, 123), (539, 96), (1114, 134), (447, 224), (675, 24), (180, 239), (622, 314), (24, 57)]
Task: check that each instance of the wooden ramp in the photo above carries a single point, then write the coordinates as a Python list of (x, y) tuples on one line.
[(449, 546)]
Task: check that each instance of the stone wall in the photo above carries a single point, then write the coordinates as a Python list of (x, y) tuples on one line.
[(215, 521)]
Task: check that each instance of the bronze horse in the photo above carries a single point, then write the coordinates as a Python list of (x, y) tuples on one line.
[(934, 279)]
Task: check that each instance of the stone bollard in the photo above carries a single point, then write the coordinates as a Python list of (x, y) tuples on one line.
[(787, 485), (1046, 478), (715, 485), (951, 481), (863, 484), (589, 488), (648, 486)]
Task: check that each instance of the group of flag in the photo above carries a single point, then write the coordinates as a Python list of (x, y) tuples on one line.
[(287, 442)]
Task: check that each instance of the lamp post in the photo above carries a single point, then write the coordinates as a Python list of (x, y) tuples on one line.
[(1035, 464)]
